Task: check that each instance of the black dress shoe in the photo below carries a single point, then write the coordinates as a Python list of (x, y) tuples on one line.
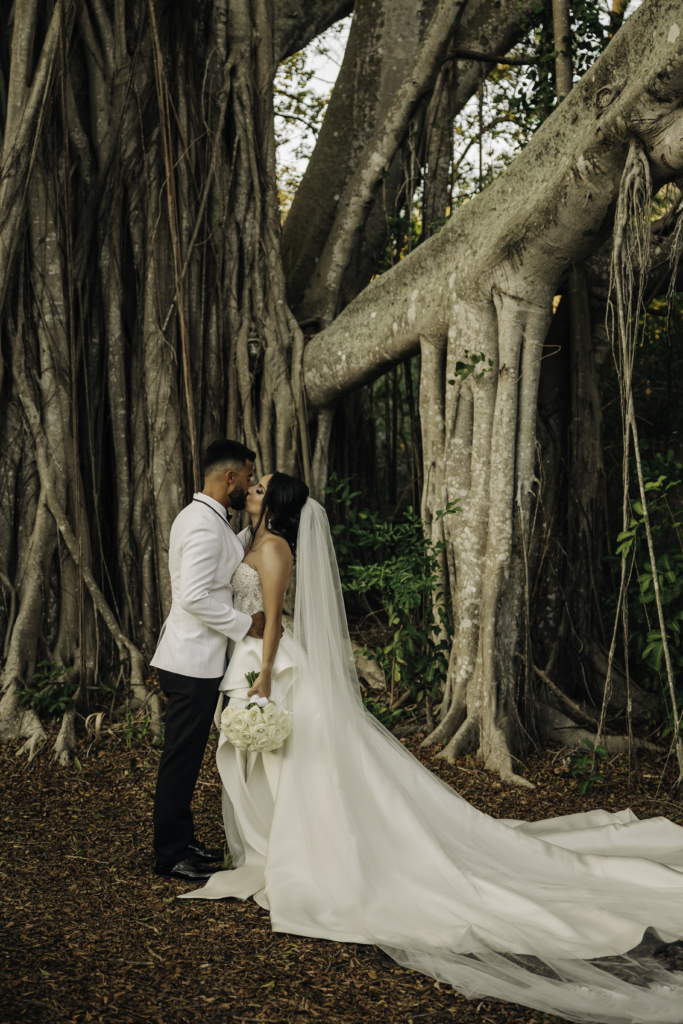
[(188, 870), (204, 853)]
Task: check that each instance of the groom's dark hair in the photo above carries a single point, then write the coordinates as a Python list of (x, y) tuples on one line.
[(227, 453)]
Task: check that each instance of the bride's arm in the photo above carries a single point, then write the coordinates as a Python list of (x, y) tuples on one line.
[(274, 569)]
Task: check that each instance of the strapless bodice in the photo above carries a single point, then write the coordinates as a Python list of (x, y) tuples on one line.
[(247, 595), (246, 655)]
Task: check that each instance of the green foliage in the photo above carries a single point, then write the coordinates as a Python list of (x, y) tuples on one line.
[(106, 686), (464, 369), (51, 691), (345, 527), (662, 482), (300, 105), (583, 765), (404, 579), (296, 102), (396, 460), (383, 713), (504, 132), (658, 390), (536, 95), (404, 230), (516, 100), (299, 110), (135, 730)]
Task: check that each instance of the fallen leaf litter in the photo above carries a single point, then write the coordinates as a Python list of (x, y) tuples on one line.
[(91, 935)]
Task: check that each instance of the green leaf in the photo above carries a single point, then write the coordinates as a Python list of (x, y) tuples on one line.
[(656, 655)]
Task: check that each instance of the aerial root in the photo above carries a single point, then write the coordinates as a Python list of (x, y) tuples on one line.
[(66, 738)]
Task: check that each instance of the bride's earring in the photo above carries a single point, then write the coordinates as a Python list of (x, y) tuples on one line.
[(269, 523)]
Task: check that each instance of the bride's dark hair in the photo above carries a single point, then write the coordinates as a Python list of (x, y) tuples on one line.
[(282, 504)]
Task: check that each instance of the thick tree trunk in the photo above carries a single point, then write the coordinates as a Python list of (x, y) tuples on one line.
[(297, 22), (382, 43), (486, 282), (143, 307)]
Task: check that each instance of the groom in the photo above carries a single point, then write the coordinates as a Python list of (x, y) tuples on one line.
[(191, 654)]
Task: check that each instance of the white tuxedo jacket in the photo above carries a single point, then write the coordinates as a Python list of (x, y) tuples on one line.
[(203, 554)]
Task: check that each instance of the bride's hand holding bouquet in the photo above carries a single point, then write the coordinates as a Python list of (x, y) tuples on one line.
[(260, 726), (261, 684)]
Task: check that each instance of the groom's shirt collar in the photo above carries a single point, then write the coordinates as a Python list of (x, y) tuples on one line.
[(212, 503)]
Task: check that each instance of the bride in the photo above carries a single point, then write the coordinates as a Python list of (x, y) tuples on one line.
[(343, 835)]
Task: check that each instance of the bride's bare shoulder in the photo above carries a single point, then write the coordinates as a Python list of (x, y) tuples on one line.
[(275, 550)]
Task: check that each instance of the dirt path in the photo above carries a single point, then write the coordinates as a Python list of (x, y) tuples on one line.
[(91, 935)]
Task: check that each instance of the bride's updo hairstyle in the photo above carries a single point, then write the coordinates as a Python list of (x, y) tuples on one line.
[(282, 504)]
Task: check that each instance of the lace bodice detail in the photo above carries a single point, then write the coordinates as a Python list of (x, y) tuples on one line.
[(247, 596)]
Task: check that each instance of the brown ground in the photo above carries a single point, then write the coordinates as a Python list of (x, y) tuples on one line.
[(91, 935)]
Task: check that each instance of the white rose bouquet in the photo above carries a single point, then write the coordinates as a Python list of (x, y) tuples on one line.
[(260, 726)]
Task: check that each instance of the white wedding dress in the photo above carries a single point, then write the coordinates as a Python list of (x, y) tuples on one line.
[(344, 835)]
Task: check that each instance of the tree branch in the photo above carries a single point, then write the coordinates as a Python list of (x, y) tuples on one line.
[(359, 193), (297, 22), (487, 58), (543, 216), (379, 30)]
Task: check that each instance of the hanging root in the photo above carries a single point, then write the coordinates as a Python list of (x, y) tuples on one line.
[(499, 428), (166, 168), (125, 646), (632, 235)]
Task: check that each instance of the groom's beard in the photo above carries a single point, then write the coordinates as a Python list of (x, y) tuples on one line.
[(238, 498)]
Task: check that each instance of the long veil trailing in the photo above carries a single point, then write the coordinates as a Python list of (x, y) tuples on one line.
[(367, 845)]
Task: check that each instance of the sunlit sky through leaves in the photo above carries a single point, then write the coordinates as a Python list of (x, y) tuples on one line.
[(304, 84)]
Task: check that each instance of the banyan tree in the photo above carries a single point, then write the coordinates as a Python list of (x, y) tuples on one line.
[(151, 300)]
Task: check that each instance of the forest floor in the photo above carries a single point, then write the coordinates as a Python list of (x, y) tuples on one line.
[(90, 934)]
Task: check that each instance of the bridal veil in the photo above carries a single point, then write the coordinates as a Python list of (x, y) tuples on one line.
[(368, 846)]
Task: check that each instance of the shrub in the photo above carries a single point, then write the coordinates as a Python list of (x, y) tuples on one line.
[(403, 577)]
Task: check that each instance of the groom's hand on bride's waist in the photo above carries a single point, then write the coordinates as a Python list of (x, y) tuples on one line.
[(258, 623)]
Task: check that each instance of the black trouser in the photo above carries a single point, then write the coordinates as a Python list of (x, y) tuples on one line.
[(189, 713)]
